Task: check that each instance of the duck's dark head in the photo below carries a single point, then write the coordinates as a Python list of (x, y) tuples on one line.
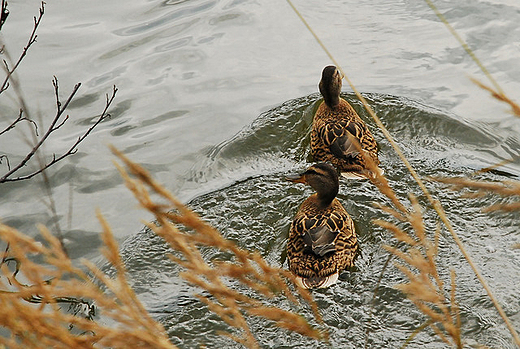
[(323, 178), (330, 85)]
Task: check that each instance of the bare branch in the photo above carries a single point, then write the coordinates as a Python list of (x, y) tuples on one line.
[(50, 129), (18, 119), (32, 40), (61, 124), (7, 159), (73, 149), (4, 12)]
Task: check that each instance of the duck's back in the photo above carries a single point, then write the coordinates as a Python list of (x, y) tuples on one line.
[(330, 140), (306, 262)]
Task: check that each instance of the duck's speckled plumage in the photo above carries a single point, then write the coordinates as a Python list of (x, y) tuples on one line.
[(334, 120), (322, 239)]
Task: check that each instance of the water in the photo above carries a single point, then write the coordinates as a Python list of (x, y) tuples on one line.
[(216, 98)]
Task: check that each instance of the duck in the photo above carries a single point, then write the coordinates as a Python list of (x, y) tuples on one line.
[(335, 125), (322, 239)]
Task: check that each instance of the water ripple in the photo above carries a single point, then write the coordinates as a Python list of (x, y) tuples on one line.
[(242, 192)]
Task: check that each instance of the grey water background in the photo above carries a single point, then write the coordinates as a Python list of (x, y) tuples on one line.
[(216, 98)]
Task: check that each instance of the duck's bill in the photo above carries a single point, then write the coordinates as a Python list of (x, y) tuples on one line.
[(296, 178)]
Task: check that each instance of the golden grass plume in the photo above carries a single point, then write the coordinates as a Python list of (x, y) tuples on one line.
[(38, 279), (416, 259), (248, 268)]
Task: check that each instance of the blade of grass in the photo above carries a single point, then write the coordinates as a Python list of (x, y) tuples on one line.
[(462, 43)]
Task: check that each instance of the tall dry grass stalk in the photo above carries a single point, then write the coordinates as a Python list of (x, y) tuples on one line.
[(500, 96), (416, 259), (382, 184), (38, 279), (248, 268)]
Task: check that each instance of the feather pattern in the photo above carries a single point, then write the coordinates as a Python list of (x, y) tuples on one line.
[(322, 239), (334, 128)]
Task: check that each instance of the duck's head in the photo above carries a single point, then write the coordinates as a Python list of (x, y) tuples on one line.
[(323, 178), (330, 85)]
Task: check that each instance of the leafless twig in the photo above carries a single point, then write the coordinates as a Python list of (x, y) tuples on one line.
[(51, 129), (56, 123), (4, 12), (18, 119), (32, 40)]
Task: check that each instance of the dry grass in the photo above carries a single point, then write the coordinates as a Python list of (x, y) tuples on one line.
[(425, 288), (248, 268), (418, 252), (498, 94), (416, 259), (32, 311), (426, 271), (32, 308), (38, 282), (508, 189)]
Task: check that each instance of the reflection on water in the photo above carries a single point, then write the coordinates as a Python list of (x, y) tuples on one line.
[(249, 201)]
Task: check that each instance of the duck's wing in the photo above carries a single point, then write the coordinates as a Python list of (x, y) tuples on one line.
[(319, 232), (320, 240), (339, 137)]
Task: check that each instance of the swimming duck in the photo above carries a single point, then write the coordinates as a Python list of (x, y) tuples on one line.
[(334, 120), (322, 239)]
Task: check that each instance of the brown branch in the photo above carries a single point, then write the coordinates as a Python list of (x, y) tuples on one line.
[(73, 149), (4, 12), (50, 129), (32, 40), (7, 159), (18, 119)]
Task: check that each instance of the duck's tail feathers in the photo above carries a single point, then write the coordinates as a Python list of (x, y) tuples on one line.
[(317, 281)]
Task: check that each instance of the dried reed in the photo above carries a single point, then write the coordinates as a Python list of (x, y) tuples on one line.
[(385, 189), (248, 268), (498, 94), (31, 309), (38, 279), (417, 261)]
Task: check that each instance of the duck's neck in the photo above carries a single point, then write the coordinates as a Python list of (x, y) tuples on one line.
[(327, 195), (331, 100)]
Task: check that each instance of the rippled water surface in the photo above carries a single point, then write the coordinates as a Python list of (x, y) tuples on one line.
[(216, 99)]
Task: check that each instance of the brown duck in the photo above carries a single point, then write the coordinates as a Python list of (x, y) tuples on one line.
[(334, 125), (322, 240)]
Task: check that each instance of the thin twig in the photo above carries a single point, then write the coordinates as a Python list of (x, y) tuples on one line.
[(50, 129), (4, 12), (18, 119), (73, 149), (51, 204), (32, 40)]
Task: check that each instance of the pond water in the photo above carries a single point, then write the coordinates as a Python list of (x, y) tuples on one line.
[(216, 99)]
